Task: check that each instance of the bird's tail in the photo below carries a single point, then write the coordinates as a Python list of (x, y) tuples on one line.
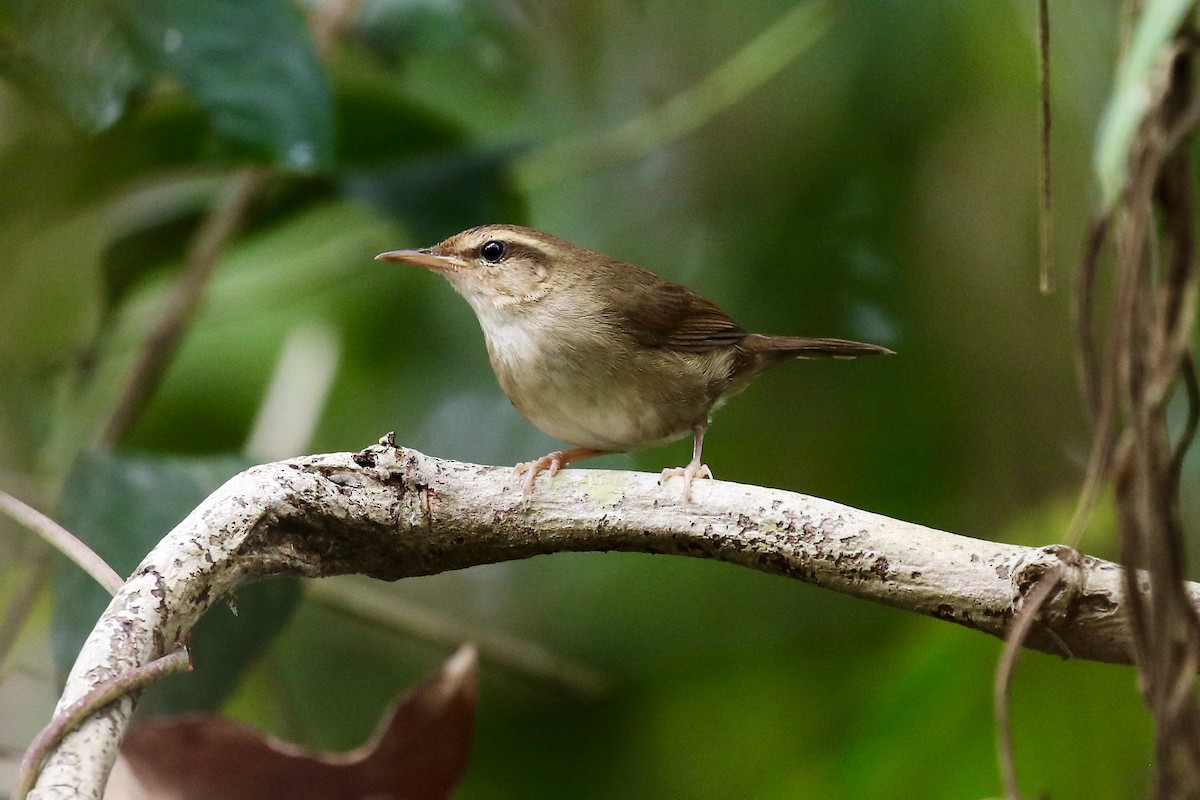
[(782, 347)]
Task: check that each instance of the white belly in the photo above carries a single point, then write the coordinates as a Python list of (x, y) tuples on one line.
[(570, 393), (609, 419)]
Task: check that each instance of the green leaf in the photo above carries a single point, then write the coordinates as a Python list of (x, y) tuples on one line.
[(1156, 26), (414, 165), (252, 66), (378, 125), (77, 55), (437, 195), (121, 507)]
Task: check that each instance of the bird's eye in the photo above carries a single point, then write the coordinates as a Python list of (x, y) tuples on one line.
[(492, 251)]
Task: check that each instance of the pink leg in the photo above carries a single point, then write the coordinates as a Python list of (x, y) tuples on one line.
[(694, 469), (552, 462)]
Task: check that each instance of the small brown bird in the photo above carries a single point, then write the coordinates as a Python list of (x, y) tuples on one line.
[(600, 353)]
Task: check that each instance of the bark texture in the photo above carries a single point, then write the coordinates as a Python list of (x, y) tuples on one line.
[(391, 513)]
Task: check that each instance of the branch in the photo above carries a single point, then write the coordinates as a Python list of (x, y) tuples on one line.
[(116, 688), (184, 299), (61, 540), (392, 513)]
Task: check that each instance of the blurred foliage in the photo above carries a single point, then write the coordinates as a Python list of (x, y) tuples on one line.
[(120, 506), (880, 184)]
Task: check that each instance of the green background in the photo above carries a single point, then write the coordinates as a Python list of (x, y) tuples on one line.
[(879, 183)]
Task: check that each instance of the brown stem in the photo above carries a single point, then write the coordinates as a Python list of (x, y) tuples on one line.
[(1002, 688), (103, 694), (184, 299), (1046, 196), (61, 540)]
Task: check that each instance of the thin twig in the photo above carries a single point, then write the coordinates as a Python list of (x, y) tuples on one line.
[(1097, 393), (64, 722), (329, 23), (758, 61), (1088, 363), (1046, 196), (1002, 688), (1187, 436), (525, 658), (184, 299), (62, 540)]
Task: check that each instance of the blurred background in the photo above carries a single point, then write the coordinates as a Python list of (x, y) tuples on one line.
[(857, 169)]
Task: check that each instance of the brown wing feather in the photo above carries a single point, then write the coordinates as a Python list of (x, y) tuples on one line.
[(807, 347), (658, 313)]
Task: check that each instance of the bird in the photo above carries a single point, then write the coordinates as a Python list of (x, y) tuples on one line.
[(599, 353)]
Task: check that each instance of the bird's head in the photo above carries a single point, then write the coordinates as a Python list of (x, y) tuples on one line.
[(496, 266)]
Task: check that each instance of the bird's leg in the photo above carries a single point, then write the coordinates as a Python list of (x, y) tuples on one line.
[(694, 469), (552, 462)]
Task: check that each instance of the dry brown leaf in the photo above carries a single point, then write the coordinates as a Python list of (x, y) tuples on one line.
[(418, 752)]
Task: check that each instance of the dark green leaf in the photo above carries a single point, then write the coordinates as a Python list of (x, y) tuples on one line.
[(121, 507), (414, 165), (378, 126), (251, 65), (440, 194)]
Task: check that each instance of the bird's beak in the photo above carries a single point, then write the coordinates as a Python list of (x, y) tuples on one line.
[(423, 258)]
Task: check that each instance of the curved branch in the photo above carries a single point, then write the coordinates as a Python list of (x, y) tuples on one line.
[(391, 513), (118, 688)]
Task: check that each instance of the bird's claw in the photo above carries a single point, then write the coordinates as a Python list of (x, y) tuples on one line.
[(551, 462), (690, 473)]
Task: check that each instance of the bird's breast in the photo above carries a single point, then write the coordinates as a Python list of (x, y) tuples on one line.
[(588, 384)]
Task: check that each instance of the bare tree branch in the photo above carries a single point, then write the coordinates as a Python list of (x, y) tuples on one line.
[(392, 513)]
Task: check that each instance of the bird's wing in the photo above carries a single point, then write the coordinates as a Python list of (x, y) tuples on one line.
[(658, 313)]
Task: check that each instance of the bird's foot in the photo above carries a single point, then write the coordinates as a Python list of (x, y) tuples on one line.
[(690, 473), (552, 463)]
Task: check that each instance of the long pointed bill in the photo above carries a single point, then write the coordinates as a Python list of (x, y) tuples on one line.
[(423, 258)]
